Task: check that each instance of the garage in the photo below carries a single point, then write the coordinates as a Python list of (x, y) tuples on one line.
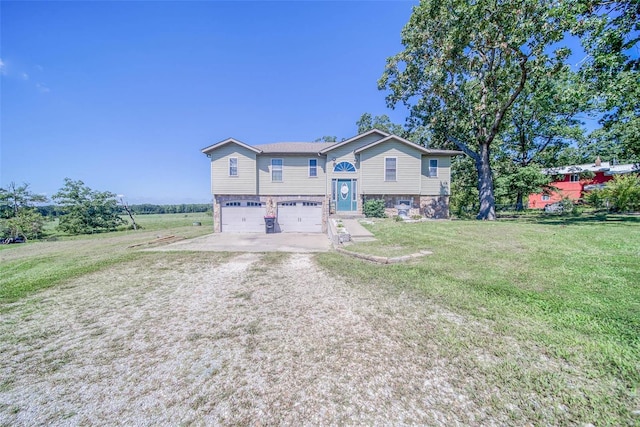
[(300, 217), (242, 217)]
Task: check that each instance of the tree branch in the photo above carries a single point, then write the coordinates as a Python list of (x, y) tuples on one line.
[(464, 147)]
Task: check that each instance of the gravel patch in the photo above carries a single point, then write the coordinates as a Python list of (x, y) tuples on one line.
[(208, 340)]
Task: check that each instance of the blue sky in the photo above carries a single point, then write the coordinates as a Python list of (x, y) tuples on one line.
[(123, 95)]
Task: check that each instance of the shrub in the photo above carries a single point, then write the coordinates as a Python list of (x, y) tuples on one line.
[(623, 193), (374, 208), (595, 198)]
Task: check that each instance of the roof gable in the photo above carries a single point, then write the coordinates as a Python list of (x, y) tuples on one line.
[(355, 138), (217, 145), (410, 144)]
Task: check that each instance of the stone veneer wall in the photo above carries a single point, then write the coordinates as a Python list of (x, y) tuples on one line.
[(271, 206), (436, 207)]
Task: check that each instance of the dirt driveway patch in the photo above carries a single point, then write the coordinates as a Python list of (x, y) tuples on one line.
[(253, 242), (210, 339)]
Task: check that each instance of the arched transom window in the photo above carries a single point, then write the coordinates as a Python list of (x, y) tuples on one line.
[(344, 167)]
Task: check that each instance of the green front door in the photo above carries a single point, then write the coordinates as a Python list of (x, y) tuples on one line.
[(344, 190)]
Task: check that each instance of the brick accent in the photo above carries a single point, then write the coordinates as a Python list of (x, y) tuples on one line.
[(436, 207)]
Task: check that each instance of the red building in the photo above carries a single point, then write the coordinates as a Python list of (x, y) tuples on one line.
[(569, 181)]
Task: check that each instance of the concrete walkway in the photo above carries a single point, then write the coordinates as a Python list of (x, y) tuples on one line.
[(357, 231), (252, 242)]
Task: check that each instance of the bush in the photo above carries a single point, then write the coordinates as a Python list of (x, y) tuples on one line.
[(623, 193), (374, 208), (595, 198)]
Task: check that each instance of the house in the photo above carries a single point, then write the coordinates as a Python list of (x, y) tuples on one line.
[(573, 181), (301, 183)]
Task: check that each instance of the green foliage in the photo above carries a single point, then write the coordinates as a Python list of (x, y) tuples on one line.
[(327, 139), (463, 202), (568, 207), (15, 198), (466, 63), (595, 198), (28, 223), (383, 123), (18, 212), (520, 182), (610, 32), (87, 211), (374, 208), (622, 193)]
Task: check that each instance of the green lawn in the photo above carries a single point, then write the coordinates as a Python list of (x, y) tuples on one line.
[(27, 268), (544, 316), (557, 289)]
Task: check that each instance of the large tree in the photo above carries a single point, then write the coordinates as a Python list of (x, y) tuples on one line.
[(610, 32), (541, 123), (18, 212), (85, 210), (16, 198), (466, 63)]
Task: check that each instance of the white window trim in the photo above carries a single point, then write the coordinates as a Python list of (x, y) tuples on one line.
[(576, 175), (385, 169), (314, 167), (546, 198), (429, 166), (237, 173), (281, 170)]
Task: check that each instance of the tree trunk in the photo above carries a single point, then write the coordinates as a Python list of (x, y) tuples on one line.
[(485, 185), (519, 202)]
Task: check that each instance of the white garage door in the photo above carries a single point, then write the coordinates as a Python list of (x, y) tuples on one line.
[(300, 217), (242, 217)]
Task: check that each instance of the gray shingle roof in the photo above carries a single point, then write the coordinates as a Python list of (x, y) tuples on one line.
[(294, 147)]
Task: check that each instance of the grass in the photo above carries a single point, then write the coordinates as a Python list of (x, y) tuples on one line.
[(541, 315), (30, 267), (565, 289)]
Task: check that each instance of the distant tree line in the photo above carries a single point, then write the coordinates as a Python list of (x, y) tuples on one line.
[(142, 209), (80, 210)]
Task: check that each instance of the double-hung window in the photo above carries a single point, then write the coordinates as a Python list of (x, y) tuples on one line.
[(313, 168), (433, 168), (276, 170), (233, 166), (575, 177), (390, 164)]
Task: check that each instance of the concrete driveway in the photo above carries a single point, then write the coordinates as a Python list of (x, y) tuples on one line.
[(253, 242)]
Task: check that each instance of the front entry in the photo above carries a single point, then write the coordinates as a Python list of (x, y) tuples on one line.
[(345, 195)]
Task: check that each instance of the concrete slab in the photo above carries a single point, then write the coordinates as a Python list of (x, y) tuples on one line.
[(355, 229), (252, 242)]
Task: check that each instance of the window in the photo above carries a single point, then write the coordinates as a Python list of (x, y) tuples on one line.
[(334, 190), (575, 177), (313, 168), (433, 167), (545, 197), (344, 167), (390, 168), (233, 166), (276, 170), (354, 191)]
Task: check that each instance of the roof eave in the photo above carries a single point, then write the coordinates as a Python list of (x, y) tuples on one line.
[(209, 149), (353, 138)]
